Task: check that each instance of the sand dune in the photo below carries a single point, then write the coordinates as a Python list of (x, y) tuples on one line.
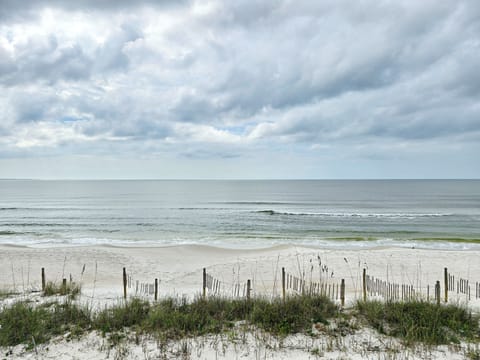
[(179, 270)]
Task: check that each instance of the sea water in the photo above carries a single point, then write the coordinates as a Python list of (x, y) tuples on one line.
[(242, 214)]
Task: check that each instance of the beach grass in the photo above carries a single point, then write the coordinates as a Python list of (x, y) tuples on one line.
[(129, 314), (421, 321), (172, 318), (178, 318), (28, 323), (71, 289), (202, 316), (25, 323)]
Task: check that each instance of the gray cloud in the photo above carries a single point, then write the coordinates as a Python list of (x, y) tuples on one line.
[(45, 59), (111, 55), (220, 80), (12, 11)]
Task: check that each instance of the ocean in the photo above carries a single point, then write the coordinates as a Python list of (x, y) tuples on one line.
[(440, 214)]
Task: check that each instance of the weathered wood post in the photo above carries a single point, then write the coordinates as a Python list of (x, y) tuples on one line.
[(283, 283), (364, 278), (437, 292), (125, 283), (342, 292), (156, 289), (43, 279), (249, 288), (445, 276), (64, 286), (204, 285)]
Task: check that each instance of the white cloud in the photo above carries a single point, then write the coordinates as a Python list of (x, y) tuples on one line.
[(230, 79), (187, 132)]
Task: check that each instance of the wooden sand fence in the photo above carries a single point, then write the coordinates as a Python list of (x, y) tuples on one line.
[(391, 291), (332, 288), (290, 284), (213, 286), (460, 286), (142, 288), (452, 288)]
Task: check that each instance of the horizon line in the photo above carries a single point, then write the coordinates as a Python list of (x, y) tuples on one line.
[(225, 179)]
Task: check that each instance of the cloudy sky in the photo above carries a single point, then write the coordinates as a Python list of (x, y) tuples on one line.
[(239, 89)]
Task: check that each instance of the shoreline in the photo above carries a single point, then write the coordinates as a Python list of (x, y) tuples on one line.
[(247, 247)]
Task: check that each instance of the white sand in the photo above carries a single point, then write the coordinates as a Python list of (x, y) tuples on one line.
[(179, 270), (364, 344)]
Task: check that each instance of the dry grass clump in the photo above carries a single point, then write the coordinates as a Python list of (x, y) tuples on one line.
[(71, 289)]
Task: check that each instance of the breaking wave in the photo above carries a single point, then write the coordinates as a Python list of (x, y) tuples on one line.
[(354, 215)]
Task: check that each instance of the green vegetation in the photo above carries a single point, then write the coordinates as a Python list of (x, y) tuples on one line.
[(23, 322), (70, 288), (296, 314), (421, 321), (473, 354), (177, 318), (130, 314), (173, 319)]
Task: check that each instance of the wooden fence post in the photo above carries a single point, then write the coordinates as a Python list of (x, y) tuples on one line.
[(125, 283), (204, 285), (437, 292), (43, 279), (249, 288), (156, 289), (64, 286), (283, 283), (445, 275), (342, 292), (364, 278)]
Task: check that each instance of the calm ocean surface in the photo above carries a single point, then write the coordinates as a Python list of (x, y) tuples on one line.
[(242, 214)]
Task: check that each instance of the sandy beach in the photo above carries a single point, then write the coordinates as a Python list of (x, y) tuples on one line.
[(179, 269)]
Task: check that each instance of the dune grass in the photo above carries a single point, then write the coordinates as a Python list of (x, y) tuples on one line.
[(421, 321), (177, 318), (296, 314), (23, 322), (71, 289)]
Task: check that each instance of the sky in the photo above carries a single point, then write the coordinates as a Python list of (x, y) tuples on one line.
[(273, 89)]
